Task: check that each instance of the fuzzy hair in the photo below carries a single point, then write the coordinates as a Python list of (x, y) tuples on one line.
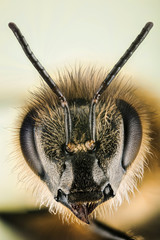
[(83, 83)]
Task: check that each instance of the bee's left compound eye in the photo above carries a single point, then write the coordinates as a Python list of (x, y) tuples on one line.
[(132, 132)]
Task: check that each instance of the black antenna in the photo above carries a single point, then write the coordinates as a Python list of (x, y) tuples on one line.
[(112, 74), (46, 77)]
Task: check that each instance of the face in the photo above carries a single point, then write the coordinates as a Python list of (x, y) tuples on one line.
[(83, 174)]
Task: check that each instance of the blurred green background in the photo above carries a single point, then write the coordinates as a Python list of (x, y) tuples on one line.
[(63, 33)]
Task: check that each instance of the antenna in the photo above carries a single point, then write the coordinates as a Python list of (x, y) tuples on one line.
[(26, 48), (112, 74)]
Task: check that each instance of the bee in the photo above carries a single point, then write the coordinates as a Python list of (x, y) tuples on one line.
[(85, 138)]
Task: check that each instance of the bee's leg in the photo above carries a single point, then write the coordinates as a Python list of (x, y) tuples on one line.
[(108, 232)]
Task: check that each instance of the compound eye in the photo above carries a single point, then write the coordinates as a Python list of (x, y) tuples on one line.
[(132, 132), (28, 144)]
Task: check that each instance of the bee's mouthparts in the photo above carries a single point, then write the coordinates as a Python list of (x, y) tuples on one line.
[(80, 204), (82, 210)]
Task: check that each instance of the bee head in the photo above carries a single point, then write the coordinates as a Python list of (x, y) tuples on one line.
[(81, 149), (83, 173)]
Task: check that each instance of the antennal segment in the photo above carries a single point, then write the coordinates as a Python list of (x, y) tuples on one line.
[(26, 48), (112, 74)]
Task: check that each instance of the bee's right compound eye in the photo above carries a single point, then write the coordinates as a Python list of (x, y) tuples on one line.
[(28, 144)]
